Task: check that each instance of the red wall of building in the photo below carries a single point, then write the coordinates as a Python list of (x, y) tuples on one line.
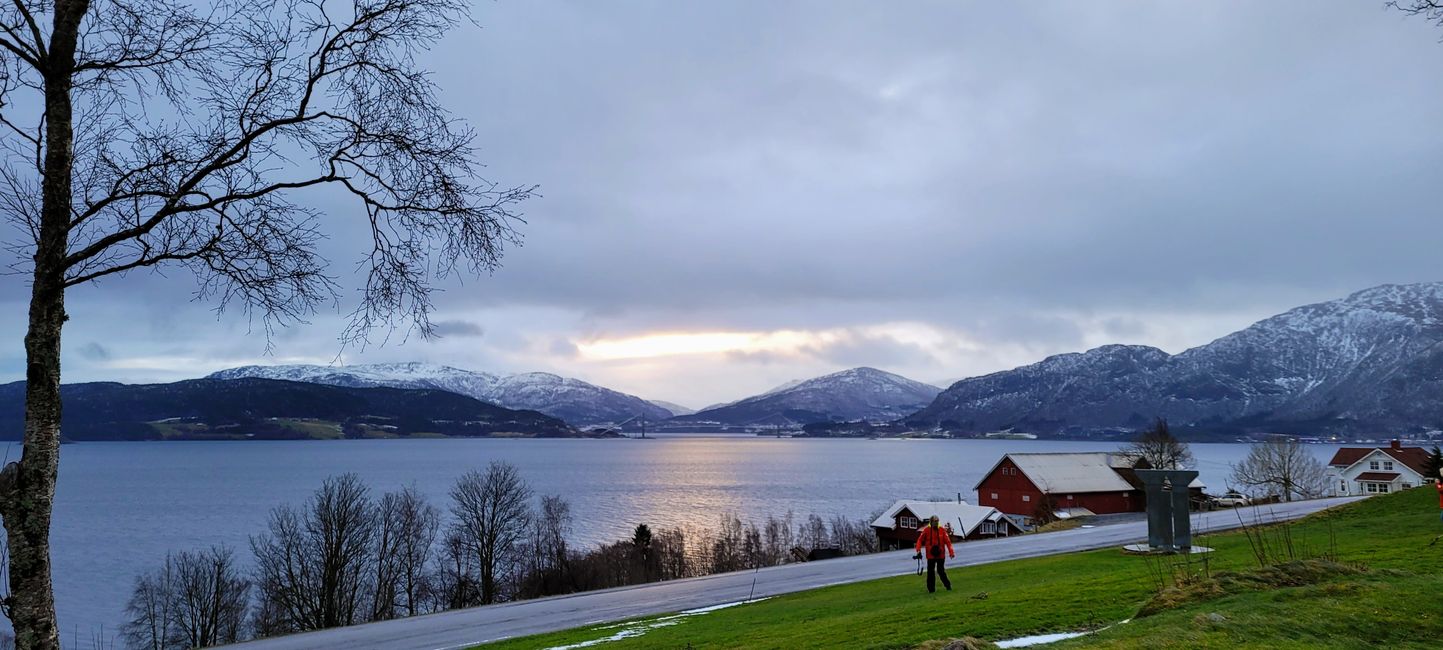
[(1011, 486)]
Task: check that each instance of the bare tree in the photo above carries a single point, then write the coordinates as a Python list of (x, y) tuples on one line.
[(414, 522), (1160, 448), (456, 584), (492, 517), (853, 537), (1430, 10), (194, 600), (149, 133), (313, 564), (149, 624), (1281, 466), (777, 539), (812, 534), (669, 547), (548, 560), (728, 552), (211, 598)]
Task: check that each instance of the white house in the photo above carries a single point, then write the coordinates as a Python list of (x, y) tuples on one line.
[(1378, 470)]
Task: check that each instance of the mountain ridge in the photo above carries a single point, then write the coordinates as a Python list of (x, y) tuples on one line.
[(1372, 360), (245, 408), (577, 402), (854, 394)]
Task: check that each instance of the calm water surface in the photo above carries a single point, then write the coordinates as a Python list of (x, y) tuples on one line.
[(121, 507)]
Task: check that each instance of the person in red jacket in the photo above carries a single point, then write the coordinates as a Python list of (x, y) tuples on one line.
[(934, 538), (1439, 484)]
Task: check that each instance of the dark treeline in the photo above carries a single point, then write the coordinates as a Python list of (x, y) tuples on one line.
[(346, 556)]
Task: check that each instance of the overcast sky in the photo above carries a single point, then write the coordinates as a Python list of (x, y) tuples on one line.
[(736, 194)]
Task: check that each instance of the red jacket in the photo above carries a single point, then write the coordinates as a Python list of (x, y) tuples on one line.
[(935, 536)]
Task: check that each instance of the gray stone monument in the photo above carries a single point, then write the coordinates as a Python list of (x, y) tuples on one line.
[(1169, 525)]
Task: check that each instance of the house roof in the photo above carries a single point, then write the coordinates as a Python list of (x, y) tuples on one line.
[(1056, 472), (1415, 458), (964, 517), (1377, 476)]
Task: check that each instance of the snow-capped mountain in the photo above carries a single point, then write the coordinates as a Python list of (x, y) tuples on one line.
[(575, 401), (856, 394), (1371, 362), (675, 409)]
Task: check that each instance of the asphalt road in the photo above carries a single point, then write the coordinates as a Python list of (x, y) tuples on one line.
[(467, 627)]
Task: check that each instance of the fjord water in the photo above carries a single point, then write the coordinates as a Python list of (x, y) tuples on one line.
[(120, 507)]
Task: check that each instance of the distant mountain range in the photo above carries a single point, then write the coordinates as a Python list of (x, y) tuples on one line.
[(855, 394), (1368, 363), (209, 409), (1371, 363), (575, 401)]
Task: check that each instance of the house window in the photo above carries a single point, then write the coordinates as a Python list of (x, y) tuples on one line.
[(1026, 498), (994, 495), (1407, 485), (1377, 488), (988, 528), (909, 522), (1388, 465), (1373, 464), (1343, 487), (1069, 497)]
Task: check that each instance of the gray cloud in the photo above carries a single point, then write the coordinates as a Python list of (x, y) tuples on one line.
[(458, 328), (1026, 178), (94, 352)]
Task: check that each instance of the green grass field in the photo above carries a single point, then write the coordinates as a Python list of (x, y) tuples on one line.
[(1385, 590)]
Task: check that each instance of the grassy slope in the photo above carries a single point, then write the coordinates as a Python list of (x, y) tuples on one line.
[(1092, 589)]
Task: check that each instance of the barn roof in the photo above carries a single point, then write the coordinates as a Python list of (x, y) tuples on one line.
[(964, 517), (1087, 471)]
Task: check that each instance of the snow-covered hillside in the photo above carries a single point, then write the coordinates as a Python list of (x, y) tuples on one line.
[(855, 394), (575, 401), (1369, 362)]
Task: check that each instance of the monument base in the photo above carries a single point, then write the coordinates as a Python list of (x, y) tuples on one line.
[(1144, 549)]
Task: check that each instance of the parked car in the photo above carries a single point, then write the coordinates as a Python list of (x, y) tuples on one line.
[(1232, 500)]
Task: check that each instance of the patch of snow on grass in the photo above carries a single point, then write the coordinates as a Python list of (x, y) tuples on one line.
[(1038, 639), (638, 628)]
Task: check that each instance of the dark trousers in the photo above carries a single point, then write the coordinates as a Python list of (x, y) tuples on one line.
[(936, 568)]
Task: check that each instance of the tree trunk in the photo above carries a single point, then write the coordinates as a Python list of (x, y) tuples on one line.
[(30, 487)]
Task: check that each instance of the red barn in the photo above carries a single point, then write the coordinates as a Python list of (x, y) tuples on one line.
[(1099, 482)]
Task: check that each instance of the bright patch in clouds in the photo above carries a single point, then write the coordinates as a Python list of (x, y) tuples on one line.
[(673, 344), (784, 342)]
